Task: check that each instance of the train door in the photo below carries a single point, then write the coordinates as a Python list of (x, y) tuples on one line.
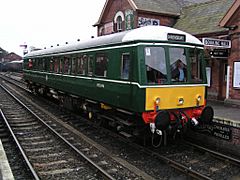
[(125, 76)]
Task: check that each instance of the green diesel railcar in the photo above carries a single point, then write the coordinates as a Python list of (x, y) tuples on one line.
[(136, 72)]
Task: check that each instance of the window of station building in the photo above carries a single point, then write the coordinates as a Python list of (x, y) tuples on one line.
[(125, 66), (119, 23), (178, 64), (67, 65), (90, 65), (155, 62), (195, 65), (101, 65), (81, 65)]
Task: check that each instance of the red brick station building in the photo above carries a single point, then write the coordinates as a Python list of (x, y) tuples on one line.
[(215, 22)]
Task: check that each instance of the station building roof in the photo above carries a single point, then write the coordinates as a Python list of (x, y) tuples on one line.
[(203, 18)]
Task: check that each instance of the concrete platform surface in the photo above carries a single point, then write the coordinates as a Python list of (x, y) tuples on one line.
[(5, 170), (225, 112)]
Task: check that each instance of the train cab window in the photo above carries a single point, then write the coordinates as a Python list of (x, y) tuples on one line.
[(155, 62), (195, 65), (125, 66), (81, 65), (101, 65), (178, 64), (67, 66), (90, 65)]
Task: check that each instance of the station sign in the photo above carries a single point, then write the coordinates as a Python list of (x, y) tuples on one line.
[(219, 43)]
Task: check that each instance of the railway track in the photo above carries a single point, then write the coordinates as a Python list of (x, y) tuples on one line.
[(20, 166), (96, 157), (50, 153), (196, 168)]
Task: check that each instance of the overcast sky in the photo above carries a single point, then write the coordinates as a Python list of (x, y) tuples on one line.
[(42, 23)]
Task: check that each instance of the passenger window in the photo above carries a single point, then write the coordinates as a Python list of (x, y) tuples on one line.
[(56, 65), (101, 65), (74, 67), (51, 68), (125, 66), (30, 64), (155, 62), (61, 64), (67, 65), (90, 66), (81, 64)]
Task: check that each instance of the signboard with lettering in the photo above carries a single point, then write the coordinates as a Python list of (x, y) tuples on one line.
[(219, 53), (129, 19), (176, 37), (142, 21), (217, 130), (217, 42)]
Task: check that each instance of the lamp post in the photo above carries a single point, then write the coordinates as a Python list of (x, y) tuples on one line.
[(1, 61)]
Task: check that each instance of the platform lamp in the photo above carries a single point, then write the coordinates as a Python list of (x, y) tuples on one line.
[(1, 61)]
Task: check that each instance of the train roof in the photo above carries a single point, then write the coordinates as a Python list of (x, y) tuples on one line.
[(147, 33)]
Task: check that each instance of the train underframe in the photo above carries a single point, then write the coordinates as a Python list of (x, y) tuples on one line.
[(155, 127)]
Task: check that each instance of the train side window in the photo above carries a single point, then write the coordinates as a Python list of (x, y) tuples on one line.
[(101, 65), (61, 64), (39, 64), (67, 66), (90, 65), (30, 64), (44, 64), (51, 67), (195, 65), (81, 65), (125, 66), (74, 66), (33, 63), (56, 65)]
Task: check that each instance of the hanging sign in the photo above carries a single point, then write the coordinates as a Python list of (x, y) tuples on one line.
[(219, 53), (217, 42)]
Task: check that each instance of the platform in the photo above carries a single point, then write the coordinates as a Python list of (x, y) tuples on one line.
[(225, 114), (5, 170)]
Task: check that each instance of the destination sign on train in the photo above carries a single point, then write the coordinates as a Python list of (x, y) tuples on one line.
[(176, 37), (216, 42)]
